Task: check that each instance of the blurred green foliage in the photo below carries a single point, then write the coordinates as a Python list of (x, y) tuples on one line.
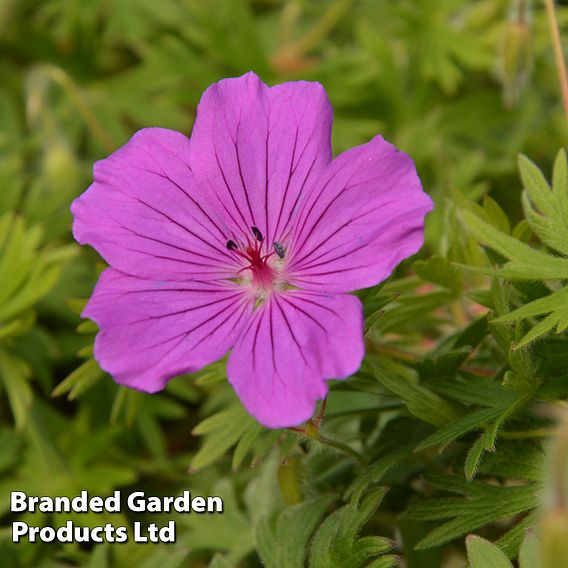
[(467, 346)]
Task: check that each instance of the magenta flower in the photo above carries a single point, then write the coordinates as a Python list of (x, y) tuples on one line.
[(246, 237)]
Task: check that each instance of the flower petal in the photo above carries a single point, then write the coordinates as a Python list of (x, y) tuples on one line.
[(363, 217), (290, 345), (255, 150), (145, 215), (151, 330)]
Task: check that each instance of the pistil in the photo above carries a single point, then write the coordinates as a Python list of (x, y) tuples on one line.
[(263, 275)]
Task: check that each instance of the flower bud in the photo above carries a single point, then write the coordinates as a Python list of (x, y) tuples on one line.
[(60, 168), (289, 481)]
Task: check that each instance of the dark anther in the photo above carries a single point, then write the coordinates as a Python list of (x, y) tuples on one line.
[(232, 245), (279, 249), (257, 234)]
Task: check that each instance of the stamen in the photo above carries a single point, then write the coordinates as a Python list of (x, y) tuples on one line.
[(257, 234), (263, 275), (279, 249)]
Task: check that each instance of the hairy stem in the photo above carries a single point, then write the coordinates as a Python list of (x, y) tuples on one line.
[(312, 431), (343, 448)]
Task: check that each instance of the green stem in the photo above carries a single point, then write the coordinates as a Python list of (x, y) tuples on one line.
[(559, 465), (409, 357), (365, 411), (526, 434), (328, 21), (312, 432), (60, 77), (343, 448), (558, 52), (319, 31)]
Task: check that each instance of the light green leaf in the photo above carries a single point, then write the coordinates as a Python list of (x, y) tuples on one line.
[(99, 557), (540, 329), (495, 215), (15, 375), (546, 208), (245, 444), (529, 554), (80, 380), (555, 301), (439, 271), (484, 554), (230, 532), (474, 456), (386, 561), (536, 185), (219, 562), (560, 183), (526, 262), (222, 431)]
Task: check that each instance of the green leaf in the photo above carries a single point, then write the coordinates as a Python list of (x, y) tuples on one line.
[(222, 431), (282, 540), (399, 438), (407, 309), (212, 374), (525, 262), (555, 304), (17, 326), (80, 380), (540, 329), (471, 389), (546, 208), (473, 334), (529, 554), (336, 543), (100, 556), (536, 185), (555, 301), (495, 215), (245, 444), (481, 505), (171, 557), (444, 365), (219, 562), (459, 427), (230, 532), (15, 375), (386, 561), (76, 305), (484, 554), (87, 327), (439, 271), (474, 456), (560, 183), (420, 400)]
